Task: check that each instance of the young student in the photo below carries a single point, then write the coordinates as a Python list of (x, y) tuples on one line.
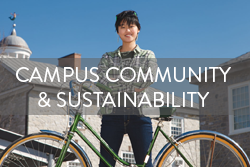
[(125, 117)]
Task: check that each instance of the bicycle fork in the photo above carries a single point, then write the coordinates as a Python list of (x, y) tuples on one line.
[(66, 145), (64, 150)]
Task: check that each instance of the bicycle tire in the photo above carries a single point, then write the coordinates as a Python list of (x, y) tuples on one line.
[(196, 147), (35, 150)]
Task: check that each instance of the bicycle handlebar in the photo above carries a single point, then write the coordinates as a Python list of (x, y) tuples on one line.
[(71, 88)]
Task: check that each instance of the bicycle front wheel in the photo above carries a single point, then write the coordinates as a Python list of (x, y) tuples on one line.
[(204, 149), (41, 149)]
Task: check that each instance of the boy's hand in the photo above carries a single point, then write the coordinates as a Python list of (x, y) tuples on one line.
[(136, 89)]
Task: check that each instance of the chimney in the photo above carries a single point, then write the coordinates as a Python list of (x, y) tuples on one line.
[(72, 60)]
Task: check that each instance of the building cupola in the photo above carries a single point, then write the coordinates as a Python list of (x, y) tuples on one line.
[(14, 46)]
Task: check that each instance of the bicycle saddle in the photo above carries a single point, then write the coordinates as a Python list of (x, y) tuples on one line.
[(166, 113)]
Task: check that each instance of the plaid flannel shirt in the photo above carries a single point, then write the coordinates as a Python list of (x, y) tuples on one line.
[(143, 59)]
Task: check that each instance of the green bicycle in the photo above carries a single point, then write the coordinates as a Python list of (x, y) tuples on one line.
[(199, 148)]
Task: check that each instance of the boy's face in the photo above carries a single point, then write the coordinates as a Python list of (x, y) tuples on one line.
[(127, 33)]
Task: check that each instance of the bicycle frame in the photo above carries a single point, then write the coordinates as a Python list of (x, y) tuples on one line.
[(73, 129)]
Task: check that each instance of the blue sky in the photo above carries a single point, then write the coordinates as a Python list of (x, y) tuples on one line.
[(176, 28), (171, 28)]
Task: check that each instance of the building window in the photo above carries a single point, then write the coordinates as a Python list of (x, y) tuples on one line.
[(179, 162), (239, 113), (71, 121), (241, 107), (74, 164), (128, 156), (177, 126)]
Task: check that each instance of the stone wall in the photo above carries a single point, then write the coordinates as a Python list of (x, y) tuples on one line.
[(13, 117), (12, 103)]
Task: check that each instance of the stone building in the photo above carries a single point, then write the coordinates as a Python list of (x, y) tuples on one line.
[(227, 106), (20, 113)]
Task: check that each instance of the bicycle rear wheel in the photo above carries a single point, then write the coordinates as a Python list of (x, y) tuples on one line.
[(201, 149), (41, 149)]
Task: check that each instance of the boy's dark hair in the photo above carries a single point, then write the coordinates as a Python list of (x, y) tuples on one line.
[(128, 16)]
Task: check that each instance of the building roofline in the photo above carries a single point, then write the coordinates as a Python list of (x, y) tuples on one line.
[(235, 67)]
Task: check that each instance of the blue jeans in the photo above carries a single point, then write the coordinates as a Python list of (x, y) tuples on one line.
[(138, 128)]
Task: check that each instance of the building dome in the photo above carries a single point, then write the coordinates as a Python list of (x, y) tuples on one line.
[(14, 46), (13, 40)]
